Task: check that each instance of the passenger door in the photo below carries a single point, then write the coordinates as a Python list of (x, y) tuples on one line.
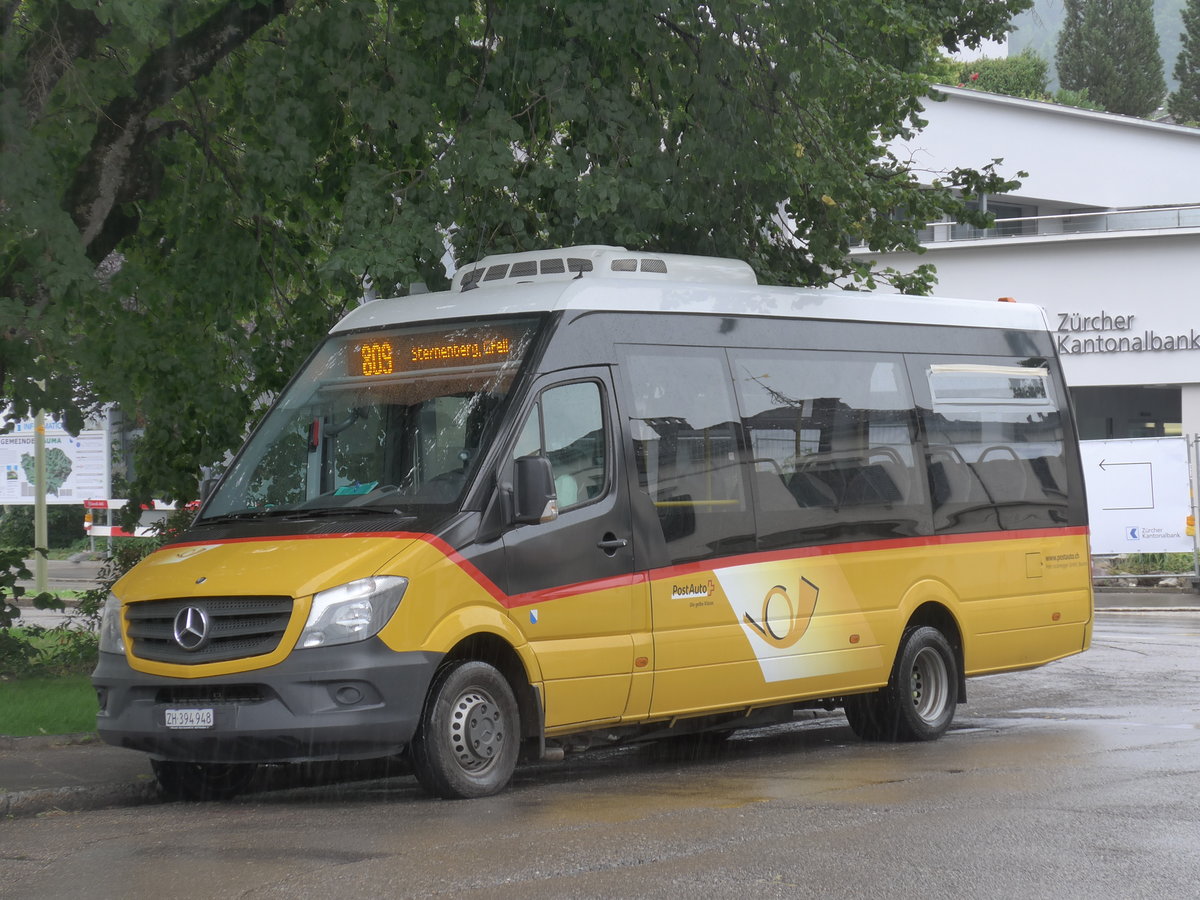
[(571, 580), (692, 472)]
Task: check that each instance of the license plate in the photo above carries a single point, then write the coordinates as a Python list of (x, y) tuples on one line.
[(189, 718)]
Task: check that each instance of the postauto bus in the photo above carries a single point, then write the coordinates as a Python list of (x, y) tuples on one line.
[(591, 496)]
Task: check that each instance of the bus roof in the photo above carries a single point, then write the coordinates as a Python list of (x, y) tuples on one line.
[(616, 280)]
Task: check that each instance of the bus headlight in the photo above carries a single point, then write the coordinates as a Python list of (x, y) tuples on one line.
[(110, 627), (352, 612)]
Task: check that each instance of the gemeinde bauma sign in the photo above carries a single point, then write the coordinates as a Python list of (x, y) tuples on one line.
[(75, 468), (1104, 332)]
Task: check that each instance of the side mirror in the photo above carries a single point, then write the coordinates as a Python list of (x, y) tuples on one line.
[(207, 486), (534, 499)]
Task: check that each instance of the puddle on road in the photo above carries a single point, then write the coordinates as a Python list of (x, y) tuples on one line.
[(1113, 717)]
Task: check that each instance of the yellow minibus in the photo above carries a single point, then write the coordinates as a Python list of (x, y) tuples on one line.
[(590, 496)]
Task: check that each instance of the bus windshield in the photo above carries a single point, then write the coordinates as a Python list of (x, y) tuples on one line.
[(382, 420)]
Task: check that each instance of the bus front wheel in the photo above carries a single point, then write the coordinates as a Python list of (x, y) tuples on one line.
[(469, 736), (919, 700)]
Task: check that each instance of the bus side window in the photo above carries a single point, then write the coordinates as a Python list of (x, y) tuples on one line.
[(691, 459), (567, 426), (833, 433), (995, 445)]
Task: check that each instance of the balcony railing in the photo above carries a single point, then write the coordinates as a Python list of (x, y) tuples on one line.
[(1148, 219)]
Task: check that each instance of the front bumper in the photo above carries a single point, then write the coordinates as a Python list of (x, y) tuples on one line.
[(355, 701)]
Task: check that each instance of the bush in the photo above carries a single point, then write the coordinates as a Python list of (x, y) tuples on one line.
[(1023, 75), (64, 526), (17, 651), (1152, 564), (72, 646), (1079, 98), (33, 651)]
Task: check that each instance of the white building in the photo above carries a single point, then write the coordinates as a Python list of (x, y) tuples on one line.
[(1104, 233)]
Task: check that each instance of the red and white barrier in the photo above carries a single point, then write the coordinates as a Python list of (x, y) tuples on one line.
[(118, 503), (105, 531), (111, 531)]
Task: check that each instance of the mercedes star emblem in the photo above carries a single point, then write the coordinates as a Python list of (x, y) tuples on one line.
[(191, 628)]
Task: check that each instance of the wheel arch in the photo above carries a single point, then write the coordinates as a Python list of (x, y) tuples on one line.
[(932, 606), (496, 651)]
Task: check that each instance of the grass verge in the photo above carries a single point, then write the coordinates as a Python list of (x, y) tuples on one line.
[(62, 705)]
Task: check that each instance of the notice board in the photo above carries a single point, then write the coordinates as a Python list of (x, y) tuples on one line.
[(1138, 494)]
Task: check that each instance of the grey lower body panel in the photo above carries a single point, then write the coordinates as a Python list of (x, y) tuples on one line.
[(355, 701)]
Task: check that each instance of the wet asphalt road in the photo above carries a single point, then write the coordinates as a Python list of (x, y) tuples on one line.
[(1080, 779)]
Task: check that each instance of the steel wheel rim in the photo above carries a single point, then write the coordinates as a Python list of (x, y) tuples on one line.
[(930, 684), (477, 730)]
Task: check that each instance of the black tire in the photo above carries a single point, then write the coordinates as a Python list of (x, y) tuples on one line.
[(863, 714), (467, 743), (921, 695), (202, 781)]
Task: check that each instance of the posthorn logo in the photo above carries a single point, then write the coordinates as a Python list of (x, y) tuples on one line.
[(191, 628)]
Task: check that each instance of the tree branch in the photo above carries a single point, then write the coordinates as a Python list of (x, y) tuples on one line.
[(68, 34), (121, 138)]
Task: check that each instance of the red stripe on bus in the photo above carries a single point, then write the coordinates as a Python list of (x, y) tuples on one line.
[(436, 542), (938, 540)]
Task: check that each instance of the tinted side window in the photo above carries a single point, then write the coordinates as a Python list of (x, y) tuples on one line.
[(567, 426), (690, 455), (995, 446), (833, 443)]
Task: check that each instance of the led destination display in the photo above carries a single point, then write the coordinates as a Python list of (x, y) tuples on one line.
[(398, 353)]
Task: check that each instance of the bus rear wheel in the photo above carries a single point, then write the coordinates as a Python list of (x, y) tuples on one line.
[(920, 698), (467, 743)]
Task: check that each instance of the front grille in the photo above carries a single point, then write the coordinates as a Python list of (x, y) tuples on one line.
[(235, 627), (211, 694)]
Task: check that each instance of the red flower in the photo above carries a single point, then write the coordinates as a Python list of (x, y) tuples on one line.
[(974, 76)]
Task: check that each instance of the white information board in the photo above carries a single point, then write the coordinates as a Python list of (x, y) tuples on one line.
[(1138, 495), (75, 466)]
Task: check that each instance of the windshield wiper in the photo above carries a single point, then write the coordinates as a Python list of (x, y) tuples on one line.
[(367, 510), (244, 515), (294, 513)]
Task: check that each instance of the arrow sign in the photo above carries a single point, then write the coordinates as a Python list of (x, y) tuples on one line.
[(1130, 484), (1138, 494)]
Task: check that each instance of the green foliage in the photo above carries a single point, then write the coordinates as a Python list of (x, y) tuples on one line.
[(1074, 98), (32, 651), (64, 526), (194, 191), (12, 570), (1184, 103), (16, 652), (126, 554), (1023, 75), (1110, 47), (70, 647), (1153, 564)]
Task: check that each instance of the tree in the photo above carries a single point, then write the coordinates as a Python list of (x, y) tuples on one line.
[(193, 192), (1184, 103), (1110, 49)]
